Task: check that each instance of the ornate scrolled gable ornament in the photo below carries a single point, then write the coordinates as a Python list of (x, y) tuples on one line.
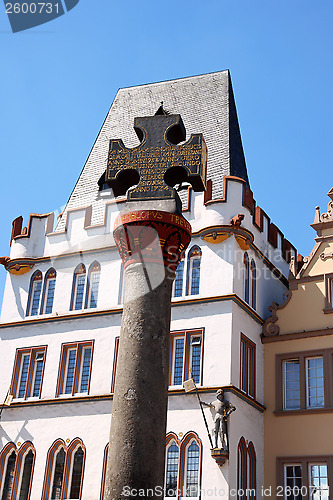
[(269, 328)]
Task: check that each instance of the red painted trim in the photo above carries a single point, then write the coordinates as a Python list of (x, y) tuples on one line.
[(105, 461), (78, 346), (20, 352), (115, 358)]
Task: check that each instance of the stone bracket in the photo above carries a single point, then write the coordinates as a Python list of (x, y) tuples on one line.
[(220, 455)]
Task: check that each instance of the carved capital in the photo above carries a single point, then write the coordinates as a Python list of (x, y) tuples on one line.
[(151, 236)]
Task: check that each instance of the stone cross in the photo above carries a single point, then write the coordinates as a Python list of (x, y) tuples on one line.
[(151, 236), (158, 163)]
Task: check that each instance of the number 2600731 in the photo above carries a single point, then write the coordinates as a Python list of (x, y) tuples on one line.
[(32, 8)]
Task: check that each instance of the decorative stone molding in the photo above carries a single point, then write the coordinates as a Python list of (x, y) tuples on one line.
[(269, 328), (217, 234), (220, 456), (325, 256), (136, 232), (18, 266), (328, 216)]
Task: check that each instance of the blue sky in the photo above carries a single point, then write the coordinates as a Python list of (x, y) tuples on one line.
[(58, 82)]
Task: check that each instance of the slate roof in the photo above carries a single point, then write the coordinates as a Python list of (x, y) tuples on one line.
[(206, 104)]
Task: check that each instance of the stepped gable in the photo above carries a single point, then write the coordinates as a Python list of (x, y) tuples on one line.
[(206, 105)]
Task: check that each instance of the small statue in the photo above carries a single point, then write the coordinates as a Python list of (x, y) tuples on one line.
[(237, 220), (223, 409)]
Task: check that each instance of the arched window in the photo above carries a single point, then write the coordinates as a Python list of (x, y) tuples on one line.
[(241, 469), (26, 476), (179, 280), (34, 294), (193, 271), (64, 470), (48, 291), (9, 476), (253, 284), (246, 278), (252, 472), (58, 474), (93, 285), (79, 283), (172, 465), (76, 473), (192, 469), (16, 467)]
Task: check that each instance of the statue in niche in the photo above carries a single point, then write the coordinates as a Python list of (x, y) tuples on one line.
[(223, 409)]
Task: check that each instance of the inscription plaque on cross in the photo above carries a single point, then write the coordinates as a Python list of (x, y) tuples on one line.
[(151, 236), (159, 162)]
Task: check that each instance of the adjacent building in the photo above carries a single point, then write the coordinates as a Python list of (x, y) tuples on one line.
[(62, 310), (298, 375)]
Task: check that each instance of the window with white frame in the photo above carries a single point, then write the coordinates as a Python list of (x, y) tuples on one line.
[(34, 294), (315, 382), (291, 385), (75, 368), (318, 481), (183, 463), (304, 378), (302, 477), (79, 284), (293, 481), (28, 372), (186, 356), (48, 292), (93, 285)]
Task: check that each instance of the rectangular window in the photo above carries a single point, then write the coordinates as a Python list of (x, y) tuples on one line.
[(179, 280), (186, 356), (28, 372), (315, 382), (293, 481), (49, 294), (304, 477), (75, 368), (93, 289), (291, 385), (247, 366), (35, 294), (304, 379), (318, 482), (79, 291)]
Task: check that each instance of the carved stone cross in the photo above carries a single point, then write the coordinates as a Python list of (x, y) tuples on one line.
[(158, 163)]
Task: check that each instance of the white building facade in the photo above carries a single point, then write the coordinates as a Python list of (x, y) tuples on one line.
[(62, 308)]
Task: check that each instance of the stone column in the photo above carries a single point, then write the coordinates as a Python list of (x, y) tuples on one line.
[(151, 244)]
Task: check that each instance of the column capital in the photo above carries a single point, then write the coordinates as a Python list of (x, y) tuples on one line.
[(152, 236)]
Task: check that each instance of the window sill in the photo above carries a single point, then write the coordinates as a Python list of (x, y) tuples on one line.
[(328, 310), (304, 411)]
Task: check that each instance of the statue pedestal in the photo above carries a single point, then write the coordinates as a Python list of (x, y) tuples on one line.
[(220, 455), (151, 244)]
